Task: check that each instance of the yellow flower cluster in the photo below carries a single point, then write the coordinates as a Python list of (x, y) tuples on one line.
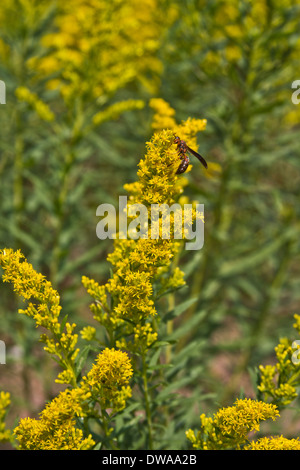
[(5, 434), (232, 23), (41, 108), (95, 56), (14, 14), (243, 417), (233, 26), (164, 116), (274, 443), (45, 311), (116, 109), (279, 382), (127, 299), (108, 379), (105, 384), (30, 284), (88, 333), (143, 338), (56, 428), (230, 426)]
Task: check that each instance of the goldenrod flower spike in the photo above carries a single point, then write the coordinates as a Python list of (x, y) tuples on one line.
[(138, 264), (41, 108), (105, 384), (56, 429), (280, 382), (44, 307), (108, 379)]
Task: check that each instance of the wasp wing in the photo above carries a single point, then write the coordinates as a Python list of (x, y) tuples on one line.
[(200, 158)]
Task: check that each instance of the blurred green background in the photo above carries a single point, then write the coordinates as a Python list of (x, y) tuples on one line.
[(79, 76)]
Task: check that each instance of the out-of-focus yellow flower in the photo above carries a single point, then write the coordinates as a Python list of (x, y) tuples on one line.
[(115, 110), (164, 117), (213, 170), (293, 116), (240, 31), (41, 108), (233, 53), (5, 434), (90, 50), (88, 333)]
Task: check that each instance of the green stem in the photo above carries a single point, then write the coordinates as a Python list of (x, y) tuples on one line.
[(60, 213), (18, 173), (64, 190), (171, 305), (106, 430), (147, 403)]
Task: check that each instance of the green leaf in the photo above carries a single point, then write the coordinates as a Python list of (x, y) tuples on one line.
[(179, 309), (81, 359), (243, 264), (63, 323)]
